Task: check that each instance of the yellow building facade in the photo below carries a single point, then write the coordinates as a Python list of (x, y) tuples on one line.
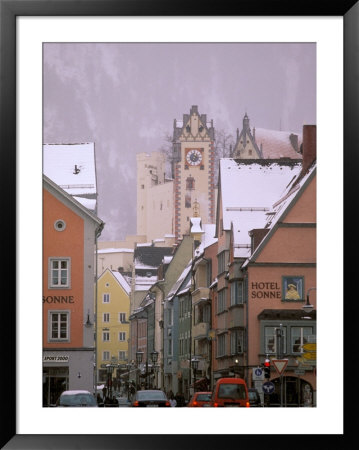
[(113, 326)]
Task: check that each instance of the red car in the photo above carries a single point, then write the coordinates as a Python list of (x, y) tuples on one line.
[(200, 399)]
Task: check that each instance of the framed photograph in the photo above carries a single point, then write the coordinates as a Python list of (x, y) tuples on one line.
[(29, 32)]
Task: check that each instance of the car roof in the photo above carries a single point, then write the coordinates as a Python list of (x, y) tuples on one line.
[(150, 390), (204, 392), (79, 391)]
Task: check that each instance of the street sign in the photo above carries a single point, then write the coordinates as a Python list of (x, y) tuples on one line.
[(310, 347), (268, 387), (257, 374), (310, 356), (280, 365)]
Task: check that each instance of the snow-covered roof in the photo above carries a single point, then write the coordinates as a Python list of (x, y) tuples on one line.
[(73, 168), (167, 259), (179, 281), (248, 192), (114, 250), (282, 204), (277, 144), (122, 281), (140, 265), (208, 238)]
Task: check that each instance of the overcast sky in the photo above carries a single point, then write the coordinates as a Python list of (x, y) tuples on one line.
[(124, 98)]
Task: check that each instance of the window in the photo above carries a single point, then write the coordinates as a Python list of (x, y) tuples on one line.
[(221, 302), (106, 356), (237, 293), (271, 344), (59, 273), (59, 326), (222, 262), (298, 337), (209, 272), (190, 183), (122, 356), (122, 317), (187, 200), (122, 336), (106, 298), (106, 317), (237, 346), (169, 347), (221, 348), (105, 336)]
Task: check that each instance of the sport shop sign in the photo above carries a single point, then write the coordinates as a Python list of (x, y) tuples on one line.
[(269, 289)]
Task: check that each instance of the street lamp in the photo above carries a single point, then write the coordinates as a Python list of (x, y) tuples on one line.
[(139, 356), (154, 357), (195, 362), (109, 379), (308, 308), (128, 366)]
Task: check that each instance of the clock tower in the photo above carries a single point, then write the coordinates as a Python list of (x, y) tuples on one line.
[(193, 170)]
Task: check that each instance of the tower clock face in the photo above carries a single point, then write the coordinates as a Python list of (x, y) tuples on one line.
[(194, 157)]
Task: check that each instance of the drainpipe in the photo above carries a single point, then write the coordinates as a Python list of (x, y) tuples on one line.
[(247, 325), (97, 235)]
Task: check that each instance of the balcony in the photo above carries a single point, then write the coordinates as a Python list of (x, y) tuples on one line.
[(200, 295), (200, 330)]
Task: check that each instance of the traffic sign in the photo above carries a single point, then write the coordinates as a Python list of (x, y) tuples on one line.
[(257, 373), (268, 387), (310, 355), (280, 365), (310, 347)]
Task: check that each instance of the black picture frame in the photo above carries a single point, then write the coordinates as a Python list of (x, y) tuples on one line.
[(9, 11)]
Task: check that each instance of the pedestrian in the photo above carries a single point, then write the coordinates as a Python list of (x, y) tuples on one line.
[(99, 399), (173, 402), (178, 400)]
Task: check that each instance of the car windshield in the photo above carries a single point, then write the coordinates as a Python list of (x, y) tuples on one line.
[(77, 400), (203, 397), (232, 391), (148, 395), (252, 395)]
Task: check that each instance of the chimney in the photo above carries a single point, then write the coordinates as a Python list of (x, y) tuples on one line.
[(309, 149)]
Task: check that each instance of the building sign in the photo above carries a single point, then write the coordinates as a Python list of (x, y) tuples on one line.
[(56, 358), (269, 289), (293, 288), (58, 299)]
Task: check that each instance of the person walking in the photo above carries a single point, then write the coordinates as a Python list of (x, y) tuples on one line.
[(173, 402)]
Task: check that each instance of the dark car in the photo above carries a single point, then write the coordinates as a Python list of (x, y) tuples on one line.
[(254, 397), (148, 398), (200, 399), (76, 398)]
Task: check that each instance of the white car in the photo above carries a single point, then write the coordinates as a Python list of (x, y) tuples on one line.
[(76, 398)]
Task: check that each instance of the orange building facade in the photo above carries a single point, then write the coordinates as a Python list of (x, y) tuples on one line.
[(69, 237), (281, 279)]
